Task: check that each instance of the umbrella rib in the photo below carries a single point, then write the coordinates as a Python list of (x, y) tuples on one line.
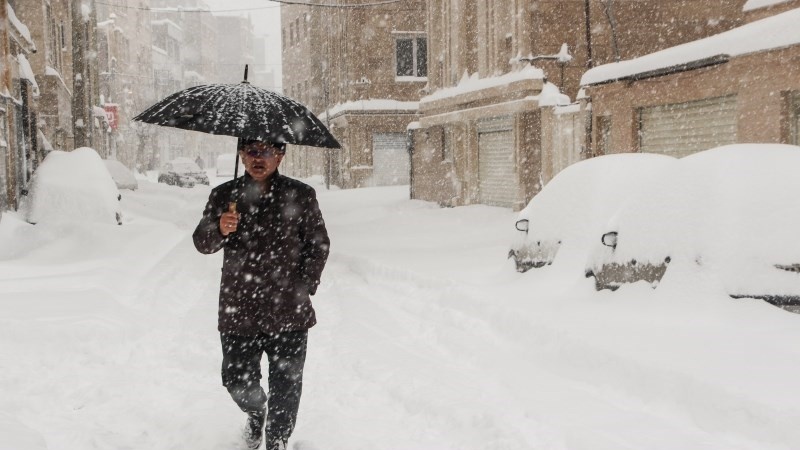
[(212, 96), (265, 109)]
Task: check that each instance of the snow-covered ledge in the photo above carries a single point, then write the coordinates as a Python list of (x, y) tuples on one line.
[(757, 4), (372, 105), (470, 85), (781, 30), (20, 27)]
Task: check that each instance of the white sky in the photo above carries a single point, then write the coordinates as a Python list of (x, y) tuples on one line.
[(266, 18)]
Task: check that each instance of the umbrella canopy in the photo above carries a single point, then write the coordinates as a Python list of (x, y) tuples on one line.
[(240, 110)]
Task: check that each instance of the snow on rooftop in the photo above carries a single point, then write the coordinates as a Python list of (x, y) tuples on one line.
[(21, 27), (474, 83), (26, 72), (756, 4), (86, 12), (778, 31), (159, 50), (165, 22), (49, 71), (191, 74), (552, 96), (371, 105)]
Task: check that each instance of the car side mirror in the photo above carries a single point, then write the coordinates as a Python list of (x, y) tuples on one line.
[(610, 239), (522, 225)]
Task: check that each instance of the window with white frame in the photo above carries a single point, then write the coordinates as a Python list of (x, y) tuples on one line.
[(411, 56)]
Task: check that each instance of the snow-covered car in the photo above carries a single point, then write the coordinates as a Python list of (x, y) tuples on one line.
[(730, 212), (72, 186), (226, 164), (571, 209), (121, 175), (182, 172)]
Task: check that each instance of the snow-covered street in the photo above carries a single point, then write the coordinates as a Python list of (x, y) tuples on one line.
[(428, 339)]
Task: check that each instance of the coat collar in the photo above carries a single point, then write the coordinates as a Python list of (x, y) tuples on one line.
[(247, 187)]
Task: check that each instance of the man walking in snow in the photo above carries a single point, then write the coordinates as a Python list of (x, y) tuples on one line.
[(275, 248)]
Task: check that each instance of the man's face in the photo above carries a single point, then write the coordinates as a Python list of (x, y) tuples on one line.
[(260, 159)]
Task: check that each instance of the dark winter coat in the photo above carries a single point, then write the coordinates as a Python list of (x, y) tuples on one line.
[(273, 261)]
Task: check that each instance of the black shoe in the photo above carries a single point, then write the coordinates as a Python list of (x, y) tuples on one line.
[(280, 444), (254, 430)]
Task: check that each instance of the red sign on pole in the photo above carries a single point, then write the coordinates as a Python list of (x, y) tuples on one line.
[(112, 114)]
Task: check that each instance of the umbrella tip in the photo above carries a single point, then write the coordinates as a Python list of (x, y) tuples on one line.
[(246, 66)]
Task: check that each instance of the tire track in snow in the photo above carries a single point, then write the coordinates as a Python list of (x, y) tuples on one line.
[(441, 323)]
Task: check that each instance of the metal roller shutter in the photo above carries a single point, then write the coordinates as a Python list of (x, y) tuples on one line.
[(497, 171), (681, 129), (390, 160)]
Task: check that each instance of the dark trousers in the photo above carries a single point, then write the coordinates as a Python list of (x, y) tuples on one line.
[(241, 374)]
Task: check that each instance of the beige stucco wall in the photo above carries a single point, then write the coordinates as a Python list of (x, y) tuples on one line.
[(355, 132), (455, 181), (770, 10), (484, 37), (760, 82), (333, 56)]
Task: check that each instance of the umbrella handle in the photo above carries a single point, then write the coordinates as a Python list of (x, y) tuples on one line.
[(232, 207)]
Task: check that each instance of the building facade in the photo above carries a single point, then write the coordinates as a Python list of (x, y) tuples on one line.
[(676, 105), (51, 86), (18, 92), (125, 48), (362, 71), (195, 33), (502, 77), (50, 24)]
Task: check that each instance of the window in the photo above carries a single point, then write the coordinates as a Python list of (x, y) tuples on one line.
[(51, 37), (411, 56), (603, 135), (447, 144)]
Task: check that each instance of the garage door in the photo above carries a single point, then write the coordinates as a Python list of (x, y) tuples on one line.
[(681, 129), (390, 160), (498, 174)]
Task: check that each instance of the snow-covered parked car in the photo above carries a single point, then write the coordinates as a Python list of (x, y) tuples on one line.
[(731, 212), (121, 175), (576, 204), (182, 172), (72, 186), (226, 164)]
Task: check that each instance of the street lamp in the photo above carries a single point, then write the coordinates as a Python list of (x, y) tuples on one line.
[(562, 58)]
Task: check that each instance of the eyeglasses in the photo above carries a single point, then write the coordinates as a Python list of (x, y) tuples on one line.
[(261, 150)]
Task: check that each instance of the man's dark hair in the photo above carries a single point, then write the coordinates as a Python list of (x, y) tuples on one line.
[(245, 142)]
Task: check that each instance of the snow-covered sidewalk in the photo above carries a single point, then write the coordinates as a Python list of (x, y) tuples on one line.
[(428, 339)]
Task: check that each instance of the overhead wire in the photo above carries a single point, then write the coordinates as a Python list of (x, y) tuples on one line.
[(255, 8)]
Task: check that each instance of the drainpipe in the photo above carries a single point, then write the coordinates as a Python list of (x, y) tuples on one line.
[(587, 16)]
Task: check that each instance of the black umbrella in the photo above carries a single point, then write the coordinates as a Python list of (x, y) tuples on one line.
[(240, 110)]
